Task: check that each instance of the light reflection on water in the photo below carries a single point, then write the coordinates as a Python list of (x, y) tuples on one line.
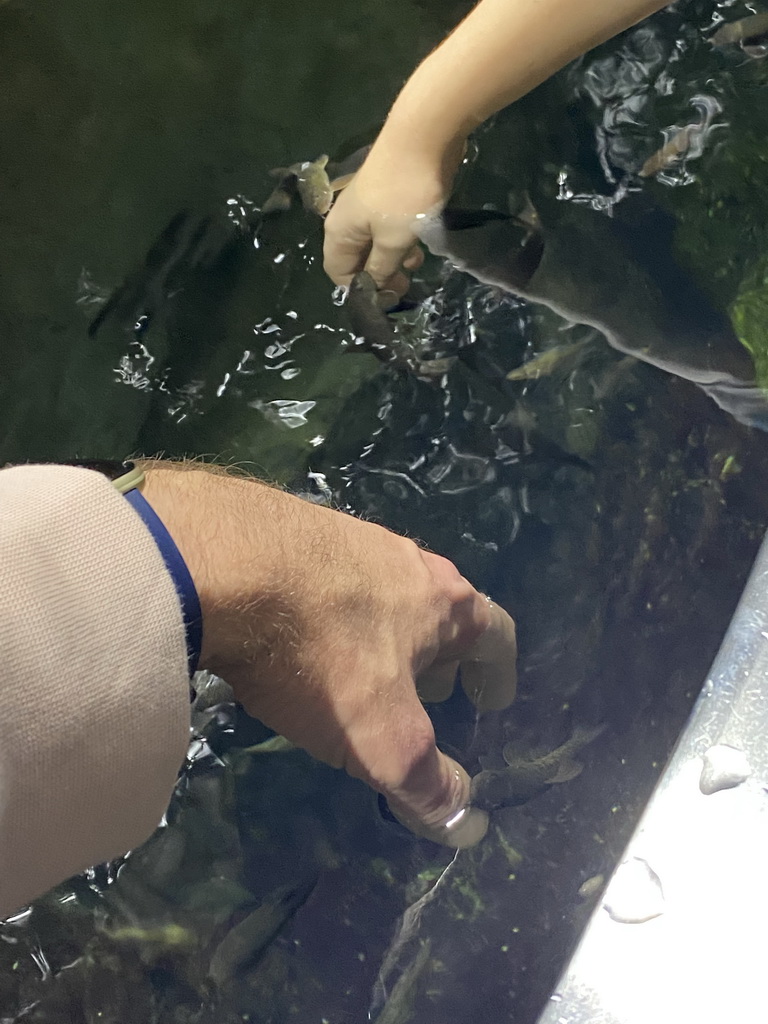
[(282, 410)]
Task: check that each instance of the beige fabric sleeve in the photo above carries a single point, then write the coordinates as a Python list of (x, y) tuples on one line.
[(95, 698)]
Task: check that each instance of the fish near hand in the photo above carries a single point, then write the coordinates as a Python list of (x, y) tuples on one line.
[(527, 775), (368, 319), (750, 33), (310, 179), (315, 182), (375, 331), (608, 273), (313, 185), (245, 944)]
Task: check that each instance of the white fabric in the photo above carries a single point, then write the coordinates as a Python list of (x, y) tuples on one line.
[(95, 701)]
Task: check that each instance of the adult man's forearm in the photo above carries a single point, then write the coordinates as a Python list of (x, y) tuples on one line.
[(323, 623), (95, 691)]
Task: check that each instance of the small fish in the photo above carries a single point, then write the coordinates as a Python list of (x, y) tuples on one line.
[(310, 179), (543, 365), (677, 146), (172, 936), (247, 942), (739, 33), (527, 776), (687, 141), (376, 331), (366, 304), (314, 181), (188, 242)]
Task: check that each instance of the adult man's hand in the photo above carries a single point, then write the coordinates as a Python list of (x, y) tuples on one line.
[(323, 624)]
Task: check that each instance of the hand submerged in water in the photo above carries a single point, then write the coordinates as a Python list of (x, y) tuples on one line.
[(498, 53), (323, 624)]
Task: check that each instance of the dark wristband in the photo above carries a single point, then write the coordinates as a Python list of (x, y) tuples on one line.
[(182, 580)]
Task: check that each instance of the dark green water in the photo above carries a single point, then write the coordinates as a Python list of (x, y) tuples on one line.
[(611, 507)]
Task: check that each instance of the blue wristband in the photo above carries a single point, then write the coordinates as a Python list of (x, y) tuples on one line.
[(182, 580)]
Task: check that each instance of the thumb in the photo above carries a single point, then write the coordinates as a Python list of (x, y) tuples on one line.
[(426, 790)]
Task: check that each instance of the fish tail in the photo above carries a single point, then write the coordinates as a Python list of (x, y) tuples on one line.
[(584, 734)]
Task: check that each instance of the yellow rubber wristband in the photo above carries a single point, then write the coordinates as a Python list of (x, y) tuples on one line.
[(134, 478)]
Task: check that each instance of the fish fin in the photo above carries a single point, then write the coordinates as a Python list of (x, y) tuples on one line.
[(280, 172), (755, 50), (340, 183), (529, 215), (584, 734), (460, 219), (566, 770), (321, 160), (512, 755), (344, 170), (386, 299), (277, 202)]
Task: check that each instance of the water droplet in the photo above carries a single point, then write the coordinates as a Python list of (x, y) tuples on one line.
[(723, 767), (635, 894)]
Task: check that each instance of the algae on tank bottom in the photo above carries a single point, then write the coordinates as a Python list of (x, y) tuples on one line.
[(749, 315)]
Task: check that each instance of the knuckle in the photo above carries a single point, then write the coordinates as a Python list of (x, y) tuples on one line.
[(412, 747), (417, 749)]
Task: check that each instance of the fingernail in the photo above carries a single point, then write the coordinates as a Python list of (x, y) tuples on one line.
[(462, 827)]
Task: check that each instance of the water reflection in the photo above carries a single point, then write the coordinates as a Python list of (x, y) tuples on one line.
[(682, 144), (283, 410)]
